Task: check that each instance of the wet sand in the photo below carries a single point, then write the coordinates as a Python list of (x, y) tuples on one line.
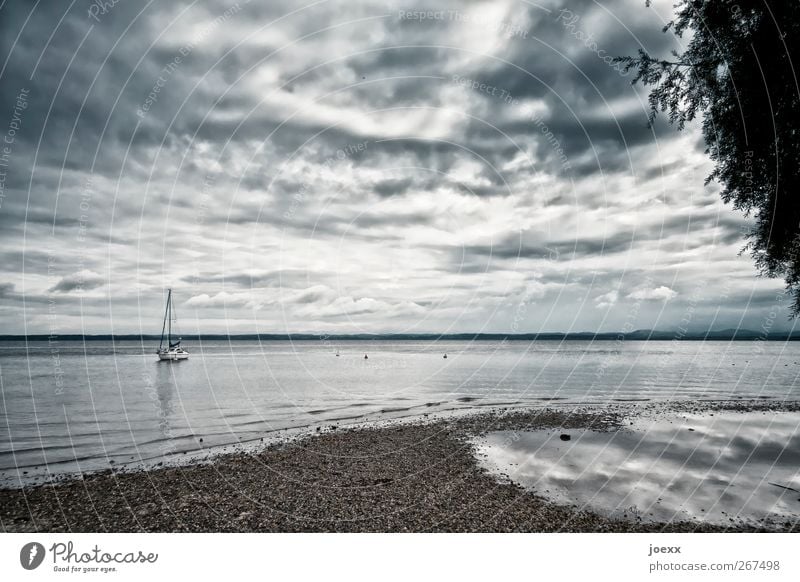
[(413, 476)]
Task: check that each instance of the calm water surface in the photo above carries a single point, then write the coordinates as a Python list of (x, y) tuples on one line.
[(727, 468), (78, 407)]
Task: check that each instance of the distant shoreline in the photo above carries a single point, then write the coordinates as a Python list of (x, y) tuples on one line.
[(638, 335)]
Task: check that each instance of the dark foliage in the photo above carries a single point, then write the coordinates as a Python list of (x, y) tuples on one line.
[(740, 72)]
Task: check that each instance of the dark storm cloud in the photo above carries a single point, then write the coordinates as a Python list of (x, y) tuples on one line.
[(517, 247), (755, 299), (579, 88), (282, 278), (82, 281), (412, 89), (392, 187), (77, 76), (556, 61), (131, 83), (393, 60)]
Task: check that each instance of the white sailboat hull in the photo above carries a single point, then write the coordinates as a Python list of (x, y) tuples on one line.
[(173, 355)]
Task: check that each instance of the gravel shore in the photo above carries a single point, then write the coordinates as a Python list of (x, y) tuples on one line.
[(416, 476)]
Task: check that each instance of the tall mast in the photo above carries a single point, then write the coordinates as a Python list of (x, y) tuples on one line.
[(164, 324), (169, 307)]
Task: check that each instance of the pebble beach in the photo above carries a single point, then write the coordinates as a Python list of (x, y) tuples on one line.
[(411, 476)]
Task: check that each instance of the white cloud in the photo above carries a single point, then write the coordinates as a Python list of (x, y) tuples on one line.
[(224, 299), (662, 293), (606, 299)]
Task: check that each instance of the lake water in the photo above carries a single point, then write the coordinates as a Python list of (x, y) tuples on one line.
[(726, 468), (75, 406)]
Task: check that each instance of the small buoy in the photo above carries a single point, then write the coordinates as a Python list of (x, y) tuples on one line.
[(445, 356), (366, 357)]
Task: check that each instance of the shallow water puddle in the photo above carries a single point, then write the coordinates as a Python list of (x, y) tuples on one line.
[(726, 469)]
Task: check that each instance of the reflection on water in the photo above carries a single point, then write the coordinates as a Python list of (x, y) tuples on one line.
[(164, 392), (725, 468)]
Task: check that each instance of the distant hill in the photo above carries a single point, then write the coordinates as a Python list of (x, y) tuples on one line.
[(637, 335)]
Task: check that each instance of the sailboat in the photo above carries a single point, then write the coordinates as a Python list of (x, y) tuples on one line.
[(172, 350)]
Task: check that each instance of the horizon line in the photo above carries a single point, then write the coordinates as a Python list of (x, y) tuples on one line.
[(640, 334)]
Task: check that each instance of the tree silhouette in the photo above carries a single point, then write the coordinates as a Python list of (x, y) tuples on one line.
[(740, 72)]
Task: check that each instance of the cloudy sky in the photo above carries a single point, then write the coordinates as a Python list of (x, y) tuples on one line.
[(354, 166)]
